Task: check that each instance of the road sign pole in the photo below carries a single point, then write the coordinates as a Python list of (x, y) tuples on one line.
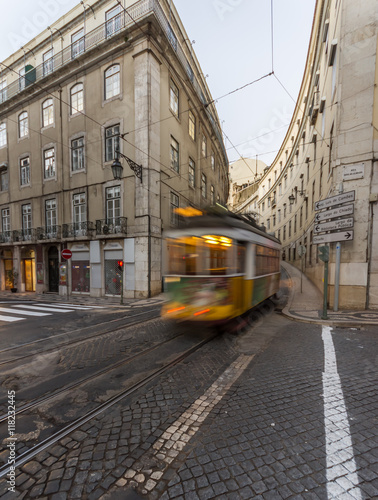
[(337, 277), (325, 291)]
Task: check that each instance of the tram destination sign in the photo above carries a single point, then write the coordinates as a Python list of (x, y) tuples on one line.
[(333, 213), (335, 200), (335, 224), (328, 238)]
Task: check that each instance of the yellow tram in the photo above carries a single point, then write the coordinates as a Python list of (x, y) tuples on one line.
[(217, 267)]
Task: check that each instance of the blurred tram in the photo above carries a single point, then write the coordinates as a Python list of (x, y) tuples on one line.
[(217, 267)]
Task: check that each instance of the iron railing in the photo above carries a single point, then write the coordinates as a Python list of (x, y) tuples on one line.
[(77, 229), (118, 225), (23, 235), (6, 237), (48, 233)]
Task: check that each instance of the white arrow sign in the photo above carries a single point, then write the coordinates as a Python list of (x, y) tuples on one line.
[(335, 224), (327, 238), (335, 200), (334, 213)]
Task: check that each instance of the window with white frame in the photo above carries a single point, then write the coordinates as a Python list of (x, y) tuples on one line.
[(48, 62), (113, 19), (3, 178), (173, 97), (111, 142), (192, 173), (174, 205), (192, 125), (203, 186), (175, 155), (26, 220), (5, 220), (77, 154), (21, 81), (212, 195), (112, 81), (77, 43), (3, 134), (77, 98), (50, 216), (204, 145), (323, 122), (212, 161), (3, 90), (79, 211), (49, 163), (113, 204), (23, 125), (47, 112), (25, 171)]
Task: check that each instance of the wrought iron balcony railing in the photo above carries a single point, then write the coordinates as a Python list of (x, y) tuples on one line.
[(48, 233), (118, 225), (6, 237), (23, 235), (77, 229)]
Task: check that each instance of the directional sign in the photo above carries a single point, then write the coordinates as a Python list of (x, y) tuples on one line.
[(335, 224), (334, 212), (66, 254), (335, 200), (327, 238)]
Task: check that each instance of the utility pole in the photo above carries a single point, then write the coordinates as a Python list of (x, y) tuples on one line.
[(324, 256)]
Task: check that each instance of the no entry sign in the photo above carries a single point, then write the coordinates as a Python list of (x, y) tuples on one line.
[(66, 254)]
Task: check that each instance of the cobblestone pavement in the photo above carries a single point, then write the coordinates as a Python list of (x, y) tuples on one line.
[(247, 417)]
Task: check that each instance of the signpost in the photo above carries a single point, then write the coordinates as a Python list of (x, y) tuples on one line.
[(335, 200), (335, 212), (327, 238), (336, 224)]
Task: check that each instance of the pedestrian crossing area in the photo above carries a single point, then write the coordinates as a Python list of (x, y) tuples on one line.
[(11, 313)]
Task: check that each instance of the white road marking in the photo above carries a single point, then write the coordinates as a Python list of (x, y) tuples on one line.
[(25, 313), (341, 466), (10, 319), (38, 308), (174, 439), (79, 305), (64, 306)]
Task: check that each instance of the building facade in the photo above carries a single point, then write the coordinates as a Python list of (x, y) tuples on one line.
[(105, 82), (331, 149)]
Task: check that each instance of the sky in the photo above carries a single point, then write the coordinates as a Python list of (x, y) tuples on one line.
[(233, 43)]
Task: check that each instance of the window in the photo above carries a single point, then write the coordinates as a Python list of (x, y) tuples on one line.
[(175, 155), (26, 221), (289, 228), (204, 145), (49, 163), (192, 126), (212, 195), (23, 125), (111, 142), (21, 81), (47, 112), (48, 62), (279, 215), (203, 185), (77, 154), (112, 81), (3, 135), (192, 173), (3, 90), (77, 98), (5, 220), (212, 158), (113, 21), (79, 212), (174, 202), (3, 178), (77, 43), (174, 98), (50, 213), (113, 204), (323, 122), (24, 171)]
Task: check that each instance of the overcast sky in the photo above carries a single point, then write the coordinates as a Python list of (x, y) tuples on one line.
[(233, 45)]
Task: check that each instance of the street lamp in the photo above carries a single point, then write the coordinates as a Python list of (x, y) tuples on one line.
[(117, 168)]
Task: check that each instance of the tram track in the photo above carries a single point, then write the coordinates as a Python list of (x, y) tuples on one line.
[(112, 401), (71, 342)]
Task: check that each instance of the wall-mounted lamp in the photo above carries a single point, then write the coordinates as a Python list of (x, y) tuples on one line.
[(117, 168)]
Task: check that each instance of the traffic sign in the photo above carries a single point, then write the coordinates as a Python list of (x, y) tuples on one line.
[(335, 224), (327, 238), (335, 212), (301, 250), (335, 200), (66, 254)]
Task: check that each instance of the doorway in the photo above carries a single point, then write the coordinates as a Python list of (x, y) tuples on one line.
[(53, 257), (29, 266)]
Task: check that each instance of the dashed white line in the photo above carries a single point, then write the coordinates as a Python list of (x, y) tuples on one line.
[(47, 309), (342, 476)]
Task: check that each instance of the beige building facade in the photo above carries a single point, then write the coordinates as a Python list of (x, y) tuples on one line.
[(331, 149), (101, 81)]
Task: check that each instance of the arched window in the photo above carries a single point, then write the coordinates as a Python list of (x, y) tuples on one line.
[(47, 112), (112, 81), (23, 124), (3, 134), (77, 98)]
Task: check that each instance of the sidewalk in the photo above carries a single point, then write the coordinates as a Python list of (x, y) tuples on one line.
[(306, 304)]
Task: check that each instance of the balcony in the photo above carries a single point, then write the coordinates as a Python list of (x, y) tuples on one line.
[(78, 230), (106, 227), (6, 237), (23, 235), (48, 233)]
